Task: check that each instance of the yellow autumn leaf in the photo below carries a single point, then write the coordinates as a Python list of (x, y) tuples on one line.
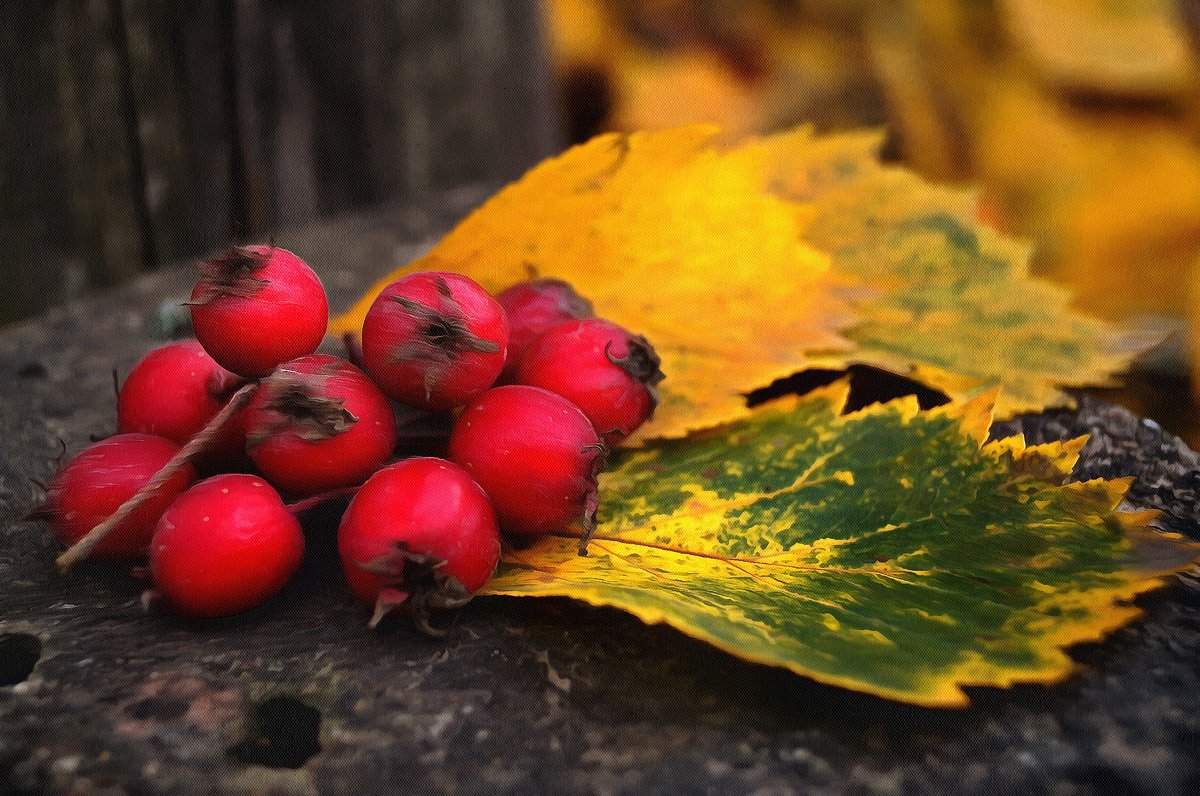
[(672, 238), (953, 303)]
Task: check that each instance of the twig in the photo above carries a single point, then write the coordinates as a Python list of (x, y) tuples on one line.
[(196, 445)]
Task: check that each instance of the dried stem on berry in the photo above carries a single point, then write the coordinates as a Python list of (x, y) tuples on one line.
[(591, 502), (301, 409), (417, 583), (443, 335), (641, 362), (231, 274), (443, 332), (195, 446)]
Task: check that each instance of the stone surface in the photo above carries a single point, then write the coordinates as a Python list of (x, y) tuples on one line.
[(524, 695)]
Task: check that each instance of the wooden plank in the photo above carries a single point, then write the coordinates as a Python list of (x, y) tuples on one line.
[(101, 169), (35, 212), (350, 104), (141, 130), (178, 52)]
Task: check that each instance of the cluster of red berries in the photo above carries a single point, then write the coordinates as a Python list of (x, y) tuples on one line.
[(249, 400)]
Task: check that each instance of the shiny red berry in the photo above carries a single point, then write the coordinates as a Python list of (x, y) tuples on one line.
[(600, 367), (225, 546), (535, 454), (94, 484), (434, 340), (533, 307), (318, 423), (173, 391), (420, 533), (256, 307)]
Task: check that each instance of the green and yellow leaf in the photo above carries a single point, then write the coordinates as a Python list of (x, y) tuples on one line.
[(949, 300), (889, 551), (743, 265)]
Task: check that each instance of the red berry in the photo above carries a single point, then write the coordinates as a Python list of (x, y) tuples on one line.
[(434, 340), (318, 423), (535, 454), (103, 476), (256, 307), (173, 392), (225, 546), (420, 532), (600, 367), (533, 307)]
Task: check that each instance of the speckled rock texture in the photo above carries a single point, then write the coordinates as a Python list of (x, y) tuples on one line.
[(524, 696)]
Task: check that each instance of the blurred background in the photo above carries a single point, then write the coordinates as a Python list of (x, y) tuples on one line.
[(135, 133)]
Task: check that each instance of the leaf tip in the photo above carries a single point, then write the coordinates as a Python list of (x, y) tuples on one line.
[(976, 414), (1154, 553)]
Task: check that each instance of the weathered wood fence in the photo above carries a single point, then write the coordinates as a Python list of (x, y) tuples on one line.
[(138, 132)]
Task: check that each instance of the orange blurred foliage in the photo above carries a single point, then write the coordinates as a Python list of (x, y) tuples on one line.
[(1079, 120)]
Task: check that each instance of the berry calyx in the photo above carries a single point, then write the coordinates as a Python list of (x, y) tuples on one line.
[(536, 455), (318, 423), (420, 534), (434, 340), (256, 307), (94, 485), (225, 546), (533, 307), (605, 370)]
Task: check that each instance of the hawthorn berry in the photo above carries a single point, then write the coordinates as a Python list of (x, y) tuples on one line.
[(419, 533), (535, 454), (173, 392), (224, 546), (600, 367), (532, 307), (434, 340), (93, 485), (318, 423), (256, 307)]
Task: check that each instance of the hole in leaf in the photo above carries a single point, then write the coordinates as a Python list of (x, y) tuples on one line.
[(284, 733), (19, 653), (868, 385)]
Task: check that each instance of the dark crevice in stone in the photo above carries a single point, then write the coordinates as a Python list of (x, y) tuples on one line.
[(32, 370), (9, 785), (284, 733), (19, 653), (162, 708)]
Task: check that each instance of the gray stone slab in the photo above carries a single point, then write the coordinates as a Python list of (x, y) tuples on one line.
[(524, 695)]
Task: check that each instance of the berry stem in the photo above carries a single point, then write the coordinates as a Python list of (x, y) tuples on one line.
[(196, 445), (353, 346), (301, 506)]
